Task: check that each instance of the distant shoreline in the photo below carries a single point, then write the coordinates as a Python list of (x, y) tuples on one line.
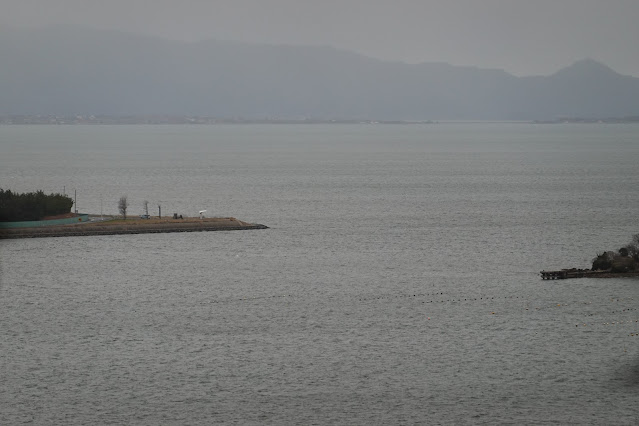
[(203, 120), (186, 120)]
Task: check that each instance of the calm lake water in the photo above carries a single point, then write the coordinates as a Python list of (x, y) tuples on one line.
[(398, 282)]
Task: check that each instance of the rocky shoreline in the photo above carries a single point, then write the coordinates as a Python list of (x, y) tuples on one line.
[(131, 226), (608, 264), (564, 274), (613, 275)]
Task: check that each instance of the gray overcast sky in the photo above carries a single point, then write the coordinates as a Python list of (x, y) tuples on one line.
[(523, 37)]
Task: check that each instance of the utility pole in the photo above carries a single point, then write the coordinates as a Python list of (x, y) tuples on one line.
[(159, 211), (75, 200)]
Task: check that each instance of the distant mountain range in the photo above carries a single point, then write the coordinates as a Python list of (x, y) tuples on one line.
[(68, 71)]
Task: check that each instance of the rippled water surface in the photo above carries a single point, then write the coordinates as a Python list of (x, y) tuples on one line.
[(398, 282)]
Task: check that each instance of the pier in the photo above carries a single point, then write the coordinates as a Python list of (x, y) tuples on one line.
[(565, 274), (568, 273), (584, 273)]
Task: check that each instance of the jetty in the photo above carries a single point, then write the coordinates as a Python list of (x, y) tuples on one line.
[(565, 274), (131, 226)]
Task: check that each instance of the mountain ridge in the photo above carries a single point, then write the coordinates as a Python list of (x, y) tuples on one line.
[(71, 71)]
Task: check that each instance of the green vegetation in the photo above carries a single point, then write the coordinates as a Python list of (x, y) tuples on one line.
[(626, 259), (15, 207)]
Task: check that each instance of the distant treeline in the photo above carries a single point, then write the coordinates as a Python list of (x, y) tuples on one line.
[(15, 207)]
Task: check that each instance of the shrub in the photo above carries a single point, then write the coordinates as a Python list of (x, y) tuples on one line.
[(603, 261)]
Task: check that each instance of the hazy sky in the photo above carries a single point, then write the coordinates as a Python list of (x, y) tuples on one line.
[(523, 37)]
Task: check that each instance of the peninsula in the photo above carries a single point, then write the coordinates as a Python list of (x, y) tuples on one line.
[(38, 215), (608, 264), (130, 226)]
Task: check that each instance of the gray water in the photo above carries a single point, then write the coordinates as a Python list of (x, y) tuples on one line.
[(398, 282)]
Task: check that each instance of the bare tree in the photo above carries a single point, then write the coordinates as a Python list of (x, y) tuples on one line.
[(123, 204), (633, 247), (146, 207)]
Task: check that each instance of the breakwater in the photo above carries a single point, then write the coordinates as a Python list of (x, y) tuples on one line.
[(121, 227), (565, 274)]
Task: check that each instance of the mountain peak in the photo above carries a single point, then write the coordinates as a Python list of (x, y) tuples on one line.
[(586, 67)]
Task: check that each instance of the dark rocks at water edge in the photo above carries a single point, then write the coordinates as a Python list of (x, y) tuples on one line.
[(564, 274)]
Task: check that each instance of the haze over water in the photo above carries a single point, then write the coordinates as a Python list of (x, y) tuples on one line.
[(398, 282)]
